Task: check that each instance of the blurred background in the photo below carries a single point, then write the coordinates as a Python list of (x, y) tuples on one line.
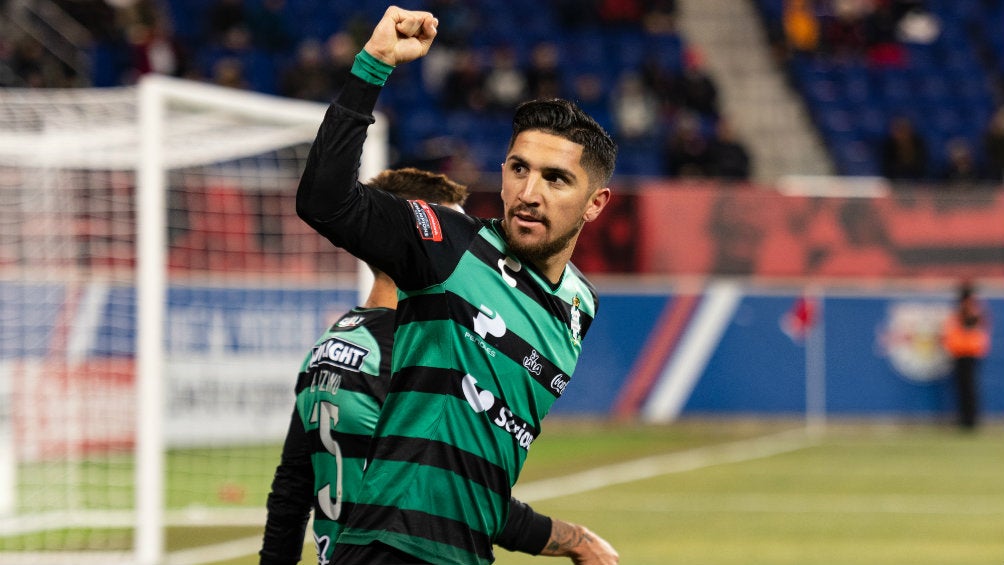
[(802, 187), (854, 146)]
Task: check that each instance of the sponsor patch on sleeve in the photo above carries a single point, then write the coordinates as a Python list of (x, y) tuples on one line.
[(426, 221)]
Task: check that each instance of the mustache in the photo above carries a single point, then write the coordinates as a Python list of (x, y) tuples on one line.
[(528, 212)]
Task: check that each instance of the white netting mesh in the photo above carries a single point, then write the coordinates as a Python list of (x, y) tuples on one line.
[(249, 288)]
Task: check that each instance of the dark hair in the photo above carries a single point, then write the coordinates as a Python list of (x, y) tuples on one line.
[(564, 119), (415, 184)]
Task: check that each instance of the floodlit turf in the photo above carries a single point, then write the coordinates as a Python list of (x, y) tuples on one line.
[(741, 493), (862, 494)]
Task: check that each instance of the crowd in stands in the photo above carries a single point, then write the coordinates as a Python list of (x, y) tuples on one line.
[(624, 61), (906, 89)]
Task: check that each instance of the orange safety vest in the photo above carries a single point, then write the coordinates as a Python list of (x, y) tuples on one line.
[(960, 341)]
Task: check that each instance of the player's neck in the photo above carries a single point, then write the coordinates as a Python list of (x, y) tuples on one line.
[(383, 294)]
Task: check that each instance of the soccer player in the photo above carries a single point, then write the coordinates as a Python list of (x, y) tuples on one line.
[(490, 319), (341, 386)]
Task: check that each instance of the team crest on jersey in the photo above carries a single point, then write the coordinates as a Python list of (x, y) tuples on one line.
[(350, 321), (576, 322), (426, 221)]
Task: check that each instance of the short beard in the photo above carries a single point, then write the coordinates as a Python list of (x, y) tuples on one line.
[(543, 251)]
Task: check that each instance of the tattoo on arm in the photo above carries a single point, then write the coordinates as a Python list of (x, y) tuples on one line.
[(564, 538)]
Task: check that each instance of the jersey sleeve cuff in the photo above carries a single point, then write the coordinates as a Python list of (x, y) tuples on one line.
[(371, 69)]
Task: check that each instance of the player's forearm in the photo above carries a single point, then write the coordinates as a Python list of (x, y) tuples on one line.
[(580, 544), (330, 175)]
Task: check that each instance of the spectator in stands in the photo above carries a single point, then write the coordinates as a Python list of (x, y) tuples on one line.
[(883, 48), (659, 17), (30, 64), (505, 84), (229, 72), (904, 152), (543, 77), (154, 50), (687, 152), (966, 338), (590, 92), (801, 26), (620, 12), (993, 145), (635, 109), (728, 157), (844, 29), (464, 87), (695, 88), (226, 17), (459, 21), (661, 81), (962, 170), (341, 52), (918, 25), (309, 77)]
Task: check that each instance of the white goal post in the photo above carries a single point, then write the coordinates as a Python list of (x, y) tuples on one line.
[(158, 294)]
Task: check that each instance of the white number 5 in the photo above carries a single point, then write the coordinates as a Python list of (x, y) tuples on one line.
[(332, 508)]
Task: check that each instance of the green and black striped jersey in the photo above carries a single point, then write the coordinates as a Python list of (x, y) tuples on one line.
[(340, 389), (484, 345)]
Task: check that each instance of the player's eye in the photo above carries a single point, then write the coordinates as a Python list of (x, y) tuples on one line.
[(556, 179), (518, 168)]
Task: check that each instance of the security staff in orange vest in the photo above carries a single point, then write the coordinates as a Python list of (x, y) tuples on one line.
[(965, 337)]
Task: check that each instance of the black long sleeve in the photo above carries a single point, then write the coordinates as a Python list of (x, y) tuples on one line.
[(525, 530), (290, 500), (375, 226)]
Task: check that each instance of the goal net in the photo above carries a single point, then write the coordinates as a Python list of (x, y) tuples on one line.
[(157, 295)]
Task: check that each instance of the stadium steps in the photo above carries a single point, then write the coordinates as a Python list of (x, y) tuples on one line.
[(768, 116)]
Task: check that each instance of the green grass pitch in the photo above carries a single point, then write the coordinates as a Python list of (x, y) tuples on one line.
[(721, 492)]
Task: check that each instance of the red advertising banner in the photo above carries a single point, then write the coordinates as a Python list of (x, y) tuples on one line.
[(713, 229)]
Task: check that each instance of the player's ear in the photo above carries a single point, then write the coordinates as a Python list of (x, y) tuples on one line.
[(597, 201)]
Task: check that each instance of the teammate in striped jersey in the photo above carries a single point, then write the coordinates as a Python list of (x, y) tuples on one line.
[(490, 318)]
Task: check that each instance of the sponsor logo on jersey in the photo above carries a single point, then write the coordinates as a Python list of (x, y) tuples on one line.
[(481, 400), (532, 362), (338, 352), (486, 323), (489, 322), (558, 383), (426, 221), (513, 265)]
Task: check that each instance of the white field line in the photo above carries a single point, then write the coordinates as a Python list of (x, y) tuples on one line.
[(636, 470), (629, 471), (677, 462)]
